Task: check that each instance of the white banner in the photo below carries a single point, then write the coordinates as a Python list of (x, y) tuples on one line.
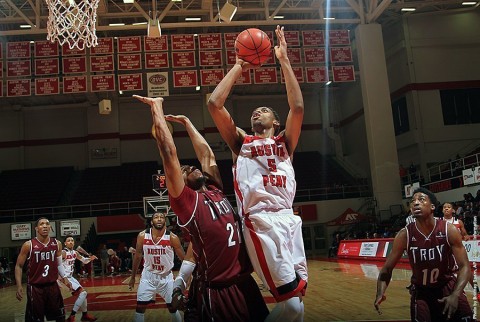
[(473, 250), (157, 84), (21, 231), (368, 249), (70, 227), (468, 176), (410, 188)]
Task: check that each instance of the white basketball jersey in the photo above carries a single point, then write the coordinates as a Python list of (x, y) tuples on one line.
[(69, 261), (158, 256), (454, 222), (264, 175)]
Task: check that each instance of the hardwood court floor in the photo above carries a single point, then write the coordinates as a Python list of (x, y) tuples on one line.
[(337, 291)]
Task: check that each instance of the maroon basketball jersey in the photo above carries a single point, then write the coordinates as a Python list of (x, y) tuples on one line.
[(209, 219), (42, 262), (431, 256)]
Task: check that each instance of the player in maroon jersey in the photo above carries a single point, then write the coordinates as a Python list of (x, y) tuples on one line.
[(44, 255), (436, 293), (224, 289)]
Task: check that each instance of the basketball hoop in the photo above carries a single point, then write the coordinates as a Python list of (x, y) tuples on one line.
[(72, 22)]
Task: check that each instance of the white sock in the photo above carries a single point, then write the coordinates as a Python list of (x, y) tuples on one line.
[(80, 299), (288, 310), (176, 317), (139, 317), (84, 306)]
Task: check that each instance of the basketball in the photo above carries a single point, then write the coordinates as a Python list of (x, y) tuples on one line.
[(253, 46)]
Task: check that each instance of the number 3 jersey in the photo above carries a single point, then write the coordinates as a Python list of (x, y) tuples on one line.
[(42, 262), (158, 256), (431, 256), (264, 175)]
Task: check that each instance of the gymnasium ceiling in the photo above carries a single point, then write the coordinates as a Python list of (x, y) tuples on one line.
[(298, 15)]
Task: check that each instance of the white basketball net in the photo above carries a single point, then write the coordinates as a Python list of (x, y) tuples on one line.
[(72, 23)]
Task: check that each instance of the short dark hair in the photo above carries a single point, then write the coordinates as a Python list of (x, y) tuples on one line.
[(38, 220), (68, 236), (431, 195)]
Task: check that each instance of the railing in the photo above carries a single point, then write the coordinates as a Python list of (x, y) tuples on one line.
[(130, 207), (452, 168)]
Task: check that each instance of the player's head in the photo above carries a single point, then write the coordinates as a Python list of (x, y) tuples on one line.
[(158, 220), (423, 202), (193, 177), (69, 241), (42, 226), (447, 210), (265, 117)]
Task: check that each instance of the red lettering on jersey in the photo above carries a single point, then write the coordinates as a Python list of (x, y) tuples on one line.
[(268, 150), (274, 180)]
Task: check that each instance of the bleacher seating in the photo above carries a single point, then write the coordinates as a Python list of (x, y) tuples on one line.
[(128, 182), (33, 188)]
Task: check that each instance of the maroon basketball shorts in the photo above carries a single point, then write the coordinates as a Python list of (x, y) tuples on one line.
[(44, 301)]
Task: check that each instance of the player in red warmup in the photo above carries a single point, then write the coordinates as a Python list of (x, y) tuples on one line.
[(432, 246)]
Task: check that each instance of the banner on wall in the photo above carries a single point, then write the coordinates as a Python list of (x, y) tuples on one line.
[(70, 227), (348, 217), (21, 231), (157, 84), (471, 176), (410, 188)]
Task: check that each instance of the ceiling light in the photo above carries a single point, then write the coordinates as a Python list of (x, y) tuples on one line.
[(120, 92), (227, 12), (328, 83), (193, 19), (139, 23), (278, 17), (197, 88), (128, 1), (176, 0), (32, 42), (116, 24), (25, 26), (469, 3), (408, 9), (329, 18)]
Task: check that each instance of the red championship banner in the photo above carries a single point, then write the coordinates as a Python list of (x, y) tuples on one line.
[(17, 68), (183, 59), (1, 88), (316, 74), (130, 82), (291, 37), (183, 42), (211, 58), (46, 49), (294, 55), (313, 38), (298, 71), (273, 38), (99, 83), (229, 39), (341, 54), (314, 55), (129, 44), (47, 66), (231, 57), (209, 41), (185, 78), (343, 73), (271, 59), (211, 77), (74, 65), (129, 61), (47, 86), (66, 51), (18, 49), (101, 63), (245, 79), (265, 75), (18, 87), (74, 84), (156, 60), (155, 44), (105, 46), (338, 37)]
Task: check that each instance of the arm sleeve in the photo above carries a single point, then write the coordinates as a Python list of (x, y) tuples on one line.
[(61, 269), (184, 274)]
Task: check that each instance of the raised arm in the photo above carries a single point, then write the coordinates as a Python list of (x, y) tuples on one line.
[(293, 125), (202, 150), (166, 146), (177, 246), (232, 135), (385, 275), (22, 257)]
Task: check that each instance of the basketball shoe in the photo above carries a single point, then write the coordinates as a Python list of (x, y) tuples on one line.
[(88, 317)]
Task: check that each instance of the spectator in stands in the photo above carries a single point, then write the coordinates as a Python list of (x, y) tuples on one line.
[(125, 258), (332, 251), (459, 208), (477, 197), (114, 262), (104, 259)]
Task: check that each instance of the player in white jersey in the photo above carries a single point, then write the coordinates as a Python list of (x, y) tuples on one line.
[(158, 246), (448, 212), (265, 187), (69, 255)]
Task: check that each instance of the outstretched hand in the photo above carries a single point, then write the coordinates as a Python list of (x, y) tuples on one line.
[(281, 47), (149, 100), (450, 305), (182, 119)]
